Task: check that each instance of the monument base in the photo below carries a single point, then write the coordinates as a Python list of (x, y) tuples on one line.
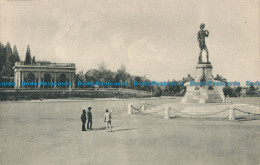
[(202, 92)]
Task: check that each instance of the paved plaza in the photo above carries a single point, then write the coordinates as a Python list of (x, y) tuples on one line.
[(50, 133)]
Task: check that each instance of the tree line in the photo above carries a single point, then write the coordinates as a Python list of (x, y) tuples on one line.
[(235, 91), (8, 57), (103, 74)]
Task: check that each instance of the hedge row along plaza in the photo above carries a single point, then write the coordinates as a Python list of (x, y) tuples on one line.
[(136, 83)]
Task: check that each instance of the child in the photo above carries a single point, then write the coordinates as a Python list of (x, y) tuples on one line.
[(107, 119), (83, 119)]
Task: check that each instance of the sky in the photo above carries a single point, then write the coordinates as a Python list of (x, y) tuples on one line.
[(152, 38)]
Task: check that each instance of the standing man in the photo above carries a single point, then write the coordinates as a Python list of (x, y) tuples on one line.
[(89, 115), (83, 119), (107, 119), (201, 40)]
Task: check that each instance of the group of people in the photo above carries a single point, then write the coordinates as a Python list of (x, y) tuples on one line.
[(87, 117)]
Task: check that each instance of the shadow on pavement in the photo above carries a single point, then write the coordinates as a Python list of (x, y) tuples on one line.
[(248, 118), (174, 117), (102, 128), (126, 129)]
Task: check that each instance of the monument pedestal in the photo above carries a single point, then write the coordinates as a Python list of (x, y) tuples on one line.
[(202, 92)]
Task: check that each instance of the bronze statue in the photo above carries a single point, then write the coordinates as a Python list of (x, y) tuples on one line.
[(202, 44)]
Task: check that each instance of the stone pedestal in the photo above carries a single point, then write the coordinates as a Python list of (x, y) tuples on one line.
[(204, 70), (203, 93)]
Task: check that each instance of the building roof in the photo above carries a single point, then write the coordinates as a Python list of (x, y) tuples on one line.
[(44, 65)]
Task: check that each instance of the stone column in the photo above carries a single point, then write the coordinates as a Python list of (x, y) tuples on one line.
[(70, 81), (22, 77), (130, 109), (43, 82), (232, 115), (73, 80), (167, 112), (39, 79), (143, 106), (55, 80), (19, 79), (16, 79), (34, 82)]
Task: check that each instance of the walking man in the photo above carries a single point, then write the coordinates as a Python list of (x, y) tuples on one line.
[(83, 119), (89, 115), (107, 119)]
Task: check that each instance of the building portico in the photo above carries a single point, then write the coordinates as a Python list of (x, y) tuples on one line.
[(39, 72)]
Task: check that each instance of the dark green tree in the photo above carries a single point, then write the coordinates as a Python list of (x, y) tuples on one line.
[(238, 90), (146, 87), (2, 57), (33, 59), (252, 91), (121, 74), (92, 75), (158, 92), (9, 61), (220, 78), (105, 75), (79, 77), (229, 91), (175, 89), (28, 57), (138, 79), (16, 54)]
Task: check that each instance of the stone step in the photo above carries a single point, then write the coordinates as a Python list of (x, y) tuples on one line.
[(214, 101), (190, 101)]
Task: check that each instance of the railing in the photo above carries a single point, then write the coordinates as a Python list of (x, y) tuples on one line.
[(167, 109)]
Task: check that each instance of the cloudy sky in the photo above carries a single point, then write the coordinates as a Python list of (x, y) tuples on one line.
[(150, 37)]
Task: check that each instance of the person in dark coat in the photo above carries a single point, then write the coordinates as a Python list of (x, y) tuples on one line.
[(83, 119), (89, 115)]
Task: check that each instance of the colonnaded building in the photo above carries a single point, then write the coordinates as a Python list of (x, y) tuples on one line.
[(45, 72)]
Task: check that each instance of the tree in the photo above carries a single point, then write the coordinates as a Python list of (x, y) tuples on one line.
[(175, 88), (28, 57), (79, 77), (229, 91), (146, 87), (121, 74), (2, 56), (9, 61), (104, 73), (158, 92), (252, 91), (92, 75), (220, 78), (108, 76), (130, 83), (138, 79), (33, 60), (238, 90), (16, 54)]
